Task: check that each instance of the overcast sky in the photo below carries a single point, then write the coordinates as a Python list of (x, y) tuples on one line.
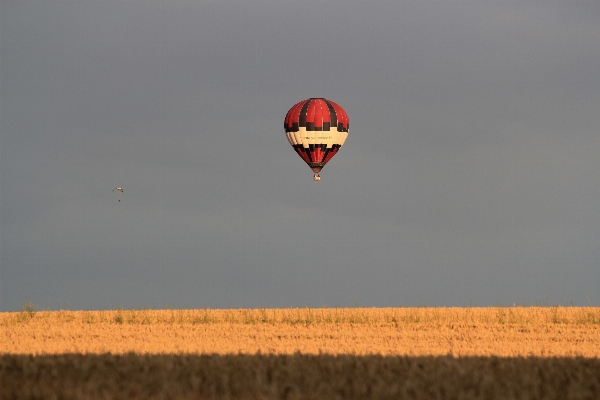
[(470, 177)]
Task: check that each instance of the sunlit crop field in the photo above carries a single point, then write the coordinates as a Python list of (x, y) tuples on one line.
[(510, 331), (500, 352)]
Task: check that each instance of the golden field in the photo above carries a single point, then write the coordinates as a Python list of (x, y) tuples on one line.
[(437, 353), (502, 331)]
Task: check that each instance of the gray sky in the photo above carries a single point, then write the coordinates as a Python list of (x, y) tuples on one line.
[(471, 174)]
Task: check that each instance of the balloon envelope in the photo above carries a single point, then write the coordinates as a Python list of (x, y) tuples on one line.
[(316, 128)]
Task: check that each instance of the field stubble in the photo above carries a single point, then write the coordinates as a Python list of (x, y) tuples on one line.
[(501, 331)]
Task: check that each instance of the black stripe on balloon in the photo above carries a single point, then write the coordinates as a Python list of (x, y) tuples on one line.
[(302, 116), (310, 127), (293, 128), (332, 114), (311, 148)]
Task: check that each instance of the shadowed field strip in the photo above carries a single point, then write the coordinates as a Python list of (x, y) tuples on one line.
[(296, 377)]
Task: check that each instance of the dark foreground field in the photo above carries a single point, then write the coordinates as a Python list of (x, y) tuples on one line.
[(133, 376)]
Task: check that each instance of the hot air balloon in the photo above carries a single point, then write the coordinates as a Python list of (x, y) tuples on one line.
[(316, 128)]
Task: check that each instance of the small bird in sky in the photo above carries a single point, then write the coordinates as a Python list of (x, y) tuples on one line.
[(119, 190)]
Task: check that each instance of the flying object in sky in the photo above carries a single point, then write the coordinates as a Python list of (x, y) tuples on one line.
[(316, 128), (119, 190)]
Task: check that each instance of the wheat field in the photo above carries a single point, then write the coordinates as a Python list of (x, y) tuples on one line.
[(418, 353)]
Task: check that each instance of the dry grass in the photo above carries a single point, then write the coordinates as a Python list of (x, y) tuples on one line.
[(417, 353), (509, 332), (294, 316)]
